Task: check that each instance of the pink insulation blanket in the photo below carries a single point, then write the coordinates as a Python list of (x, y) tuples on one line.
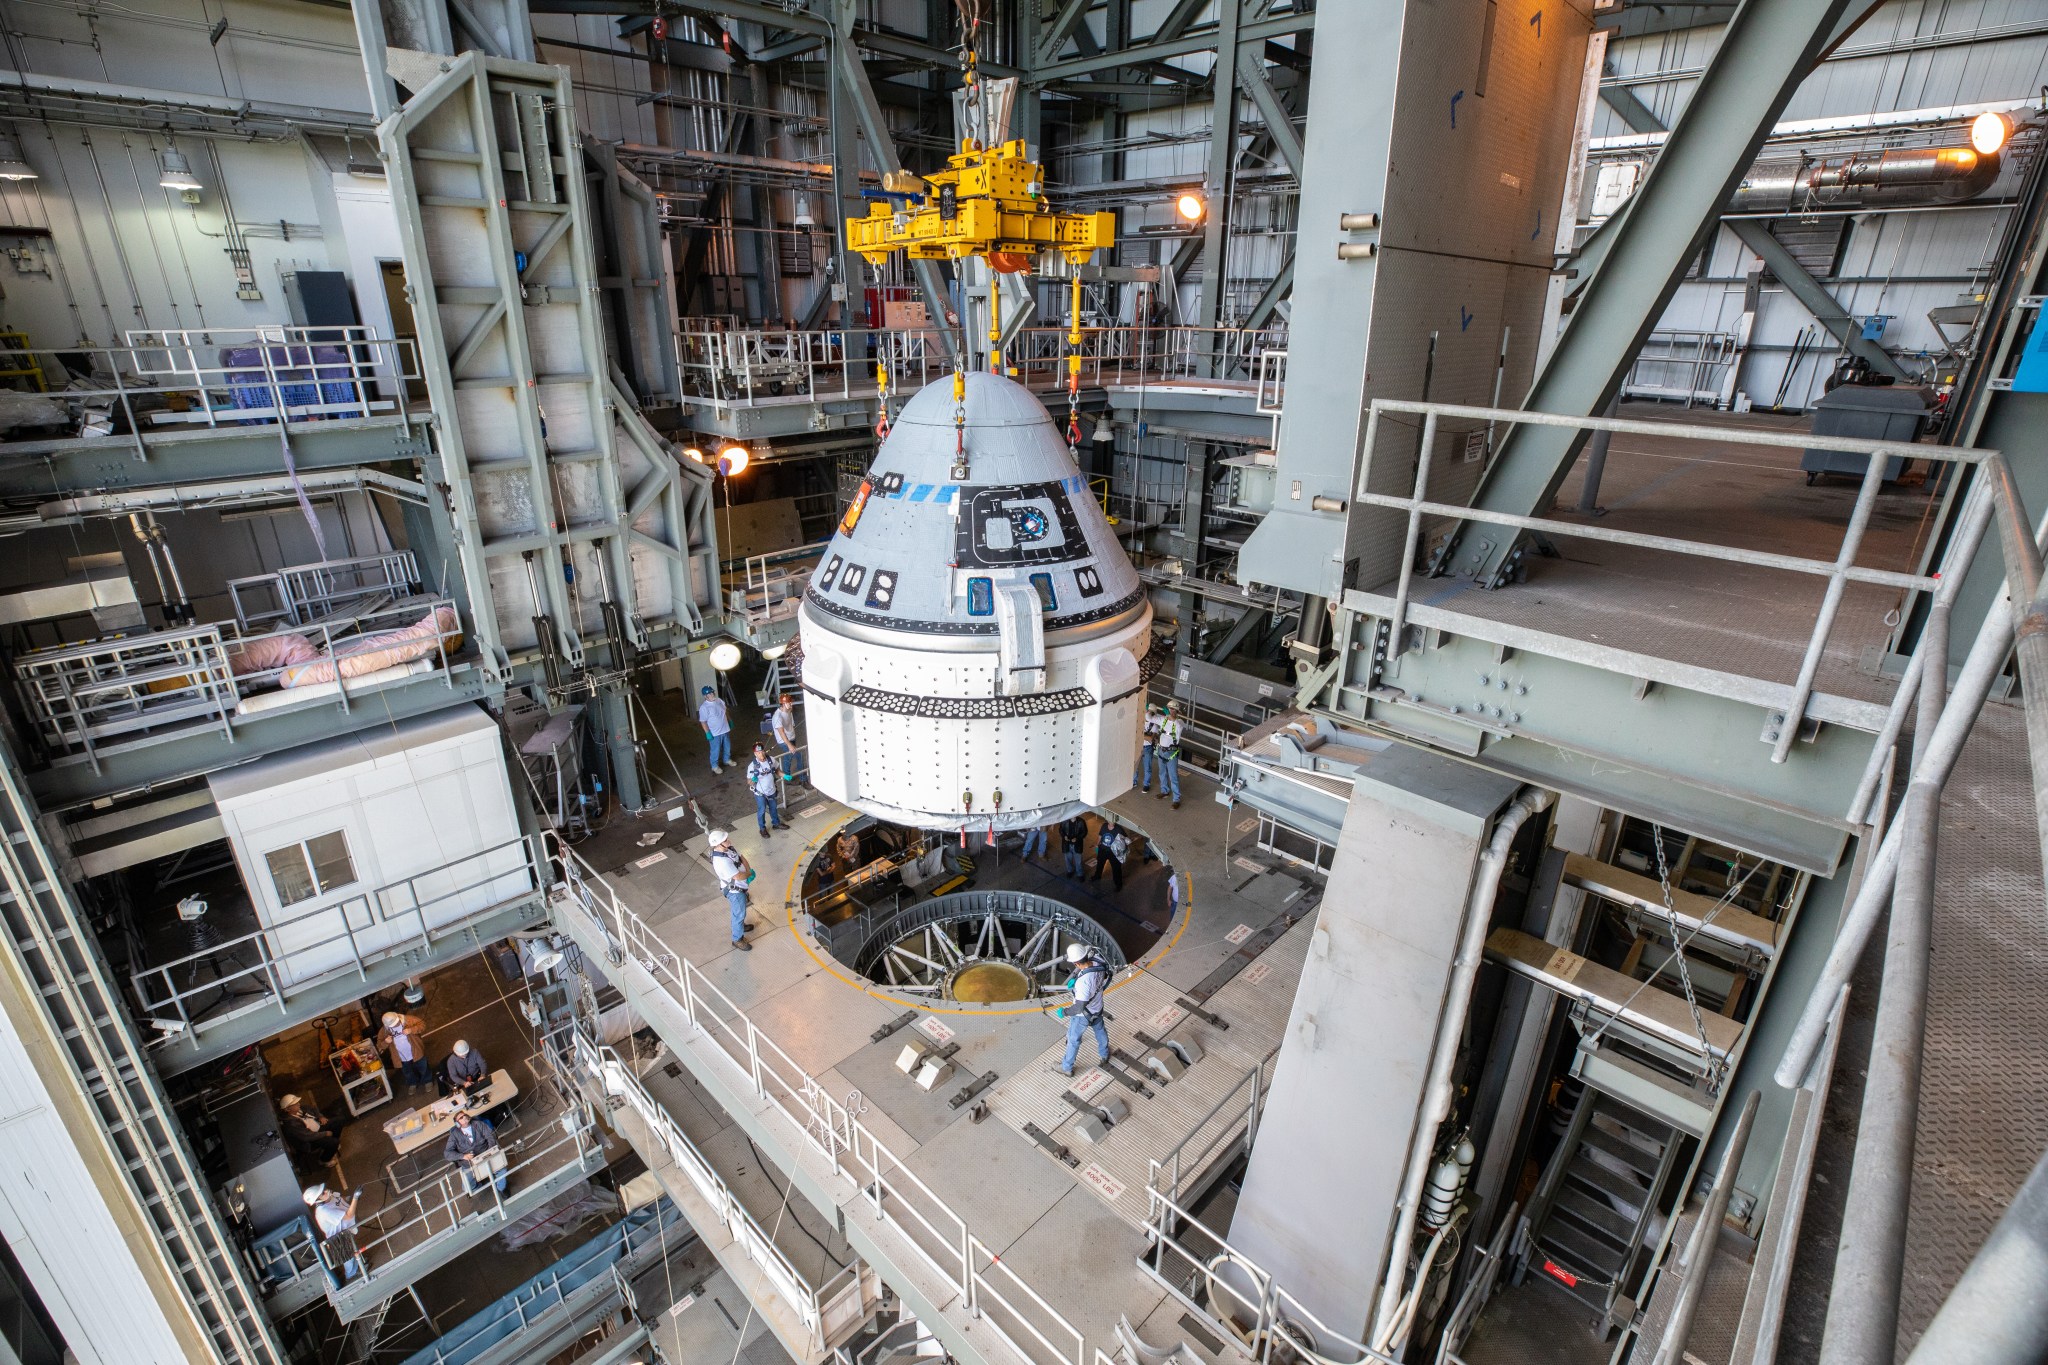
[(303, 665), (385, 649)]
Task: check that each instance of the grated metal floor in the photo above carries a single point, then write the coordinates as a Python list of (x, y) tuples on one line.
[(1984, 1087)]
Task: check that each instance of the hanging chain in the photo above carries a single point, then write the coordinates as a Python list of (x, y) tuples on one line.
[(882, 398), (1692, 1003)]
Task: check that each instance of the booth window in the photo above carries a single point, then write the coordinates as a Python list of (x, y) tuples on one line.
[(312, 867)]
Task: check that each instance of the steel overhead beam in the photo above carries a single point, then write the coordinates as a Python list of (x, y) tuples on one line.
[(1204, 40), (853, 79), (1765, 51), (1055, 34), (1251, 76), (1222, 161), (1757, 236), (1269, 299), (1639, 117)]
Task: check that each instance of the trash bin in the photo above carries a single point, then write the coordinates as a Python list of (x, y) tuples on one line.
[(1892, 412)]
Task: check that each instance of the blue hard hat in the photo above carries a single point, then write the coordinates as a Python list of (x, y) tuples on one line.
[(706, 691)]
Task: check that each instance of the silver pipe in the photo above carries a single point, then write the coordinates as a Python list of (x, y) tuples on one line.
[(1769, 1311), (1994, 1316), (1969, 535), (1699, 1248), (1436, 1092), (156, 535), (1863, 1306), (1830, 606), (1937, 761), (163, 593)]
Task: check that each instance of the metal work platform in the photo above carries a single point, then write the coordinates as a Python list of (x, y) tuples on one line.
[(1009, 1234)]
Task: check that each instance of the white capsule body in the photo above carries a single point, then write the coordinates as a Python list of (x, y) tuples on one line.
[(973, 645)]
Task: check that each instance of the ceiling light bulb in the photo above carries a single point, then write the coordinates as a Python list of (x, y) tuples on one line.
[(733, 459), (1988, 132), (176, 171), (1190, 206), (725, 656)]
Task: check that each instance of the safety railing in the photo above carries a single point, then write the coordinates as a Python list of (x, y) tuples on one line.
[(79, 698), (225, 377), (772, 584), (752, 365), (927, 1226), (1790, 704), (434, 1208), (298, 594), (277, 961), (1216, 1132), (819, 1308), (1270, 379), (1695, 367), (1237, 1297)]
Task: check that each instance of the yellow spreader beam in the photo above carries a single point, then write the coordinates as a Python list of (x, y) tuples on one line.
[(990, 203)]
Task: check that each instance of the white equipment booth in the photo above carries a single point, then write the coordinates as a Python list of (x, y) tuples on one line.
[(355, 846)]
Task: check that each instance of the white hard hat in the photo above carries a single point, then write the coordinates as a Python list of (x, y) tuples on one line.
[(288, 1101), (393, 1020), (719, 836), (313, 1194), (461, 1047), (1077, 952)]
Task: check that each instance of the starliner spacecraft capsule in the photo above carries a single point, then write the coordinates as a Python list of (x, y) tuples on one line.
[(973, 637)]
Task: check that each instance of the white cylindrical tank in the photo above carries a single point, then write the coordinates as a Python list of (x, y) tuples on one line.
[(973, 636)]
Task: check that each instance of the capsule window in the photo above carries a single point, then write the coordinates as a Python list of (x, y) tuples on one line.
[(850, 581), (882, 590), (981, 597), (1047, 598)]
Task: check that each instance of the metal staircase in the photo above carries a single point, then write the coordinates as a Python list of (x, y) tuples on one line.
[(1597, 1201), (53, 950)]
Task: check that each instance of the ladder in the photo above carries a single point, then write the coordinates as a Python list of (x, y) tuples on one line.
[(1597, 1200), (53, 949)]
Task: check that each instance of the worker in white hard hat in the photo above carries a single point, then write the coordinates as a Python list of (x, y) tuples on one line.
[(1143, 772), (465, 1069), (733, 873), (1168, 745), (334, 1214), (405, 1039), (306, 1131), (1090, 979)]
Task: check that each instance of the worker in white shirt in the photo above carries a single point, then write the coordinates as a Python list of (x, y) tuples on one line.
[(1170, 731), (1143, 772), (333, 1214), (783, 723), (717, 729), (1091, 978), (730, 867), (761, 781)]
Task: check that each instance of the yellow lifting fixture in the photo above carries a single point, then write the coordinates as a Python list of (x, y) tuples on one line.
[(991, 202)]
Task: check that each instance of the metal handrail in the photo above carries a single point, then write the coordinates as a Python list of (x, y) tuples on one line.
[(604, 1064), (1176, 1160), (750, 365), (1839, 572), (370, 908), (894, 1194), (302, 590), (441, 1206), (190, 365)]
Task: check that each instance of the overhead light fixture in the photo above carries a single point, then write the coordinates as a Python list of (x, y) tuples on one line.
[(176, 171), (803, 212), (774, 652), (1988, 132), (546, 961), (1104, 433), (725, 656), (734, 459), (1190, 207), (12, 167), (694, 454)]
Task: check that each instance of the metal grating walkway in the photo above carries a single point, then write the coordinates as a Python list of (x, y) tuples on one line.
[(1984, 1089)]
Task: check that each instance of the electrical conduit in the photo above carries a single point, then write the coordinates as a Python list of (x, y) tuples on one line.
[(1436, 1102)]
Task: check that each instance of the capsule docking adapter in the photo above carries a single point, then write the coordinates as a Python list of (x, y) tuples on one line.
[(973, 650)]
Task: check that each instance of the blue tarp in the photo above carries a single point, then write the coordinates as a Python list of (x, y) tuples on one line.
[(516, 1311)]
